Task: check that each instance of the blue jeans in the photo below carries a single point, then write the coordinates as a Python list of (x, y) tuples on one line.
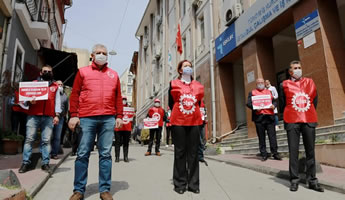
[(90, 126), (45, 123), (57, 137)]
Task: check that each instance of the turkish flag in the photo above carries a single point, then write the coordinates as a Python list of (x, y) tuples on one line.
[(179, 39)]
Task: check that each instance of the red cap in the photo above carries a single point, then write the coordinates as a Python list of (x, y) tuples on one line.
[(157, 100), (124, 97)]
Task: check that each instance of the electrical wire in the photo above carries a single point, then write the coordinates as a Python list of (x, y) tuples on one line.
[(120, 27)]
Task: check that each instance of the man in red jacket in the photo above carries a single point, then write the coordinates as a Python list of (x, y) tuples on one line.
[(43, 114), (95, 102), (156, 112)]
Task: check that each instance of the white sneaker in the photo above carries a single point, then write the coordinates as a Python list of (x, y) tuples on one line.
[(172, 145), (167, 146)]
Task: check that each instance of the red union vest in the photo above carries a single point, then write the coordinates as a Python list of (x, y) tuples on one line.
[(157, 113), (299, 97), (257, 92), (186, 110), (127, 125), (46, 107)]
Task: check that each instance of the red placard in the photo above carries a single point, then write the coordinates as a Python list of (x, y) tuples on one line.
[(150, 123), (261, 102), (33, 90), (128, 114)]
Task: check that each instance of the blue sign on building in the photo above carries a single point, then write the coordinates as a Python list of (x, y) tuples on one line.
[(307, 25), (226, 42)]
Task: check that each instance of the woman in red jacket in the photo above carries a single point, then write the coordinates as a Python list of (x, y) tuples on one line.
[(123, 134), (185, 95)]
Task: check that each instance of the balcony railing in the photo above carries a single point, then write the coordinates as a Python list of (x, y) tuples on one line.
[(38, 10)]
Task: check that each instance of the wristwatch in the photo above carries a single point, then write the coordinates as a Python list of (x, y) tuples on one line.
[(57, 115)]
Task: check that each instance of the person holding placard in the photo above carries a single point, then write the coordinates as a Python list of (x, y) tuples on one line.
[(156, 113), (299, 99), (262, 104), (185, 95), (123, 134), (42, 114)]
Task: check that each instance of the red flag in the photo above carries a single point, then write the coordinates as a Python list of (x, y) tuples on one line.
[(179, 39)]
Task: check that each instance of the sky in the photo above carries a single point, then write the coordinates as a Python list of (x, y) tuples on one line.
[(99, 21)]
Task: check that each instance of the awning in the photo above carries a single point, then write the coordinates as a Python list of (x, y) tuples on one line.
[(65, 65)]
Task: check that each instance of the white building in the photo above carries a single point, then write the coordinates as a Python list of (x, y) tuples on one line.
[(126, 80)]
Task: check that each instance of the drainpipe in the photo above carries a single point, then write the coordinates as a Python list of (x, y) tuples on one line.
[(163, 54), (213, 94)]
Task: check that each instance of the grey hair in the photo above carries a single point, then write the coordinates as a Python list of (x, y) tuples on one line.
[(98, 46)]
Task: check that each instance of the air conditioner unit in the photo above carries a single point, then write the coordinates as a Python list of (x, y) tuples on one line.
[(197, 3), (159, 20), (231, 10), (200, 49), (156, 88), (158, 51), (146, 42)]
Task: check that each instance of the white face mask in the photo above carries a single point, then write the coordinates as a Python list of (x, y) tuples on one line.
[(297, 73), (260, 86), (100, 59), (157, 104), (61, 89), (124, 102)]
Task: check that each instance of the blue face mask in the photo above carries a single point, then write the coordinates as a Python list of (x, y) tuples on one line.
[(187, 71)]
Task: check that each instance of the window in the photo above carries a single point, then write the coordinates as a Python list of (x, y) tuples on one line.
[(183, 7), (18, 63), (129, 90), (202, 29), (130, 79), (184, 48)]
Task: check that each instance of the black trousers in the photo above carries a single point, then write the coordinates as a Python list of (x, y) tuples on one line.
[(18, 119), (186, 163), (261, 127), (308, 134), (156, 132), (168, 130), (122, 138)]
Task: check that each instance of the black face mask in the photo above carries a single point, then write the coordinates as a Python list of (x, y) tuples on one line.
[(47, 76)]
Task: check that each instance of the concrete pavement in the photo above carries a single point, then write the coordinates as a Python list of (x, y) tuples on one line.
[(150, 178)]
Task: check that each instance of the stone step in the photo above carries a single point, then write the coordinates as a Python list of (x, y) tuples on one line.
[(255, 150), (337, 136), (340, 120), (240, 139)]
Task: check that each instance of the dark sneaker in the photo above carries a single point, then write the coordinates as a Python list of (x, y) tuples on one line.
[(158, 154), (106, 196), (294, 187), (24, 168), (147, 153), (264, 158), (196, 191), (76, 196), (117, 159), (277, 157), (317, 187), (180, 191), (126, 159), (46, 168), (55, 157)]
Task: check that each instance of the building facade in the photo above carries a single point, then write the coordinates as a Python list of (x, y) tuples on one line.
[(248, 39), (31, 27), (126, 80)]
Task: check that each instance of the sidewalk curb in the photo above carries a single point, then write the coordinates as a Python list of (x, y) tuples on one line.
[(273, 172), (278, 173), (38, 187)]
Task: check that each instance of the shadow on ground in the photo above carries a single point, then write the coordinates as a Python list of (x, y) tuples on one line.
[(116, 186)]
